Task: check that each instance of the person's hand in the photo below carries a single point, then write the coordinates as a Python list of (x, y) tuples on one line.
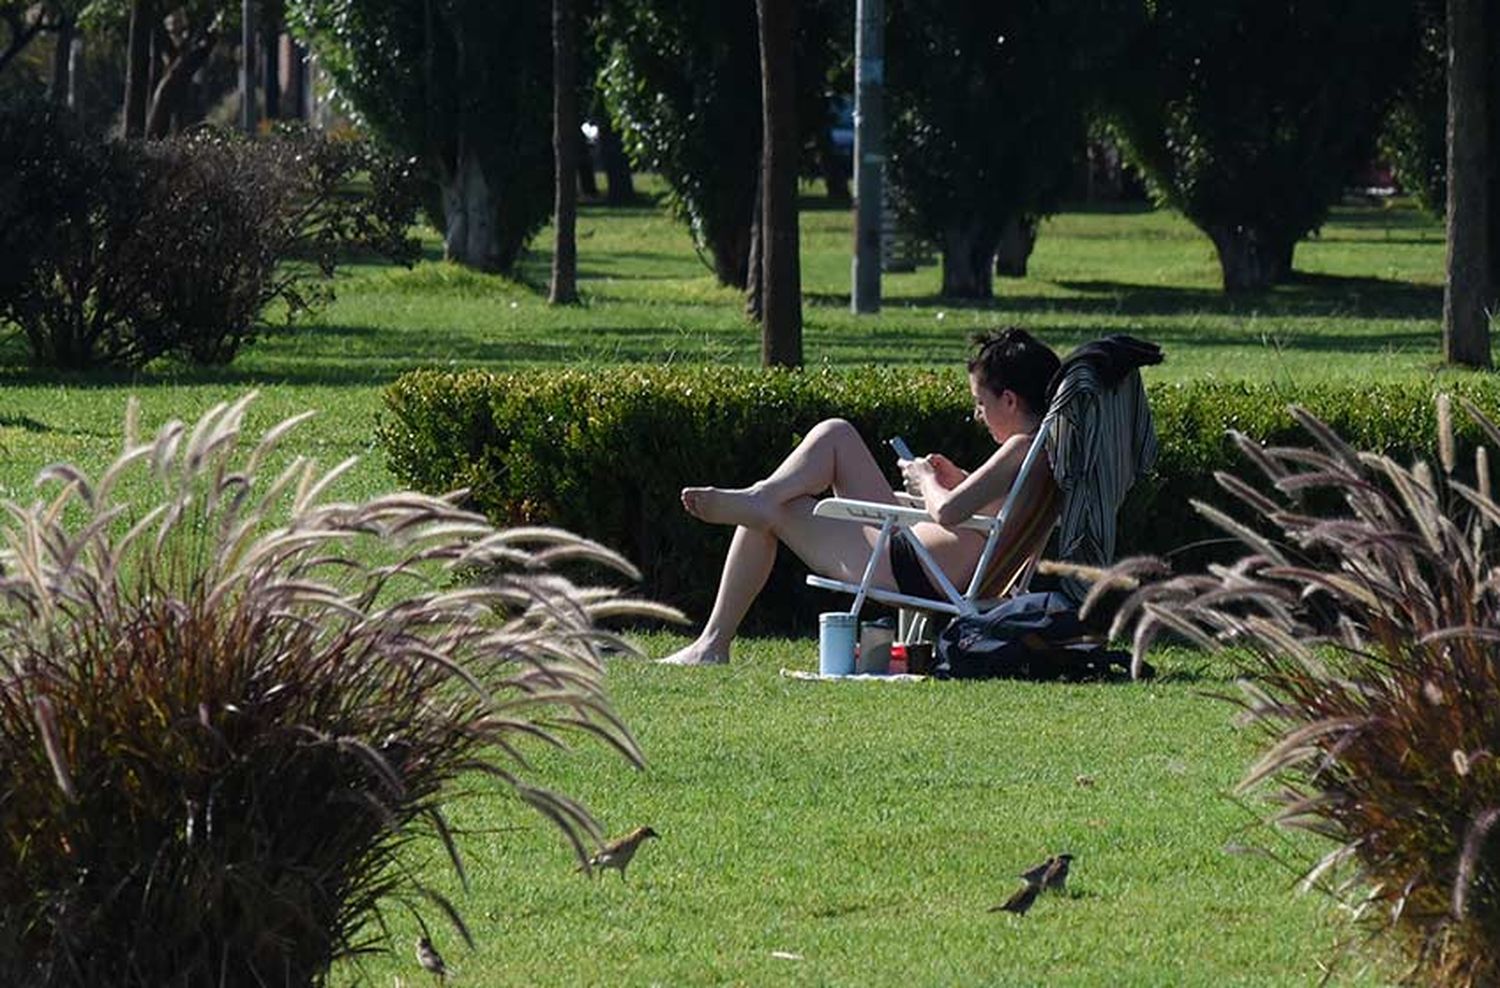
[(913, 471), (947, 473)]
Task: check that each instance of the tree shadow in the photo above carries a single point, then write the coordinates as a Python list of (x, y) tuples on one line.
[(25, 423), (1302, 295), (823, 204)]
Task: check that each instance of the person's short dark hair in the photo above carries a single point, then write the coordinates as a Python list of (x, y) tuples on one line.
[(1012, 359)]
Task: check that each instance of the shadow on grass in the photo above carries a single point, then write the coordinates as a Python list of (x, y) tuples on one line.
[(25, 423), (925, 349), (823, 204), (636, 205), (329, 356), (1303, 295)]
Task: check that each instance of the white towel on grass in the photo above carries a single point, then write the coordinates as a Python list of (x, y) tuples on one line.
[(808, 675)]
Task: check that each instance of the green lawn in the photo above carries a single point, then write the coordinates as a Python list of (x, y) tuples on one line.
[(1365, 305), (862, 829), (866, 829)]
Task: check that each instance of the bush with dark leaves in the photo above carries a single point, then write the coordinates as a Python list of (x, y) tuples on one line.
[(117, 254)]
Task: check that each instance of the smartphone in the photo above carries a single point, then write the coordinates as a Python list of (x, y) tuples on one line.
[(902, 450)]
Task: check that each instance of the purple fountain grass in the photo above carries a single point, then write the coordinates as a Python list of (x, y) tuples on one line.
[(224, 715), (1367, 613)]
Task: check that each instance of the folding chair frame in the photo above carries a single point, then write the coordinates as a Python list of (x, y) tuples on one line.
[(903, 515)]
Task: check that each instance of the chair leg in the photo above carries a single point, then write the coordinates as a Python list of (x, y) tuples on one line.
[(913, 625)]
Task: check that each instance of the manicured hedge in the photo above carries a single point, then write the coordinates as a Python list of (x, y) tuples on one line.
[(604, 452)]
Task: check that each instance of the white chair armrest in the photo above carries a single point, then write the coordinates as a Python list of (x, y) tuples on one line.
[(875, 513)]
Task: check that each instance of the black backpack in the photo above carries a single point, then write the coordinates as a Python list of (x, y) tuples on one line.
[(1031, 636)]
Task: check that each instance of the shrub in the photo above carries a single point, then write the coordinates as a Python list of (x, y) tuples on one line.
[(1369, 643), (605, 451), (222, 719), (122, 253), (69, 261), (40, 177), (1231, 112), (236, 211)]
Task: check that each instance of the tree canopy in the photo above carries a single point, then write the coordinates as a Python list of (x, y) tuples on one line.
[(987, 109), (1248, 115), (682, 80), (460, 85)]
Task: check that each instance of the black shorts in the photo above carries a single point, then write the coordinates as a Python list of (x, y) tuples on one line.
[(911, 578)]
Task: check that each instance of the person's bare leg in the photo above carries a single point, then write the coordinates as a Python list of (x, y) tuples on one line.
[(829, 547), (746, 568), (832, 456)]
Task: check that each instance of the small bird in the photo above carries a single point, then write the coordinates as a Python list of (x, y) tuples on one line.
[(1050, 874), (617, 853), (1039, 872), (1056, 875), (1021, 901), (431, 960)]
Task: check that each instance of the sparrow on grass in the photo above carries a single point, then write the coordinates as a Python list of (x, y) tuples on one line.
[(617, 853), (1036, 873), (1050, 874), (1056, 875), (1021, 901), (431, 960)]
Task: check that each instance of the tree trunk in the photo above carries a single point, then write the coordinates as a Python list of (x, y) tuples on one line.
[(138, 68), (294, 73), (248, 117), (1492, 32), (968, 259), (271, 14), (75, 70), (1013, 251), (730, 252), (565, 141), (755, 297), (835, 179), (1469, 292), (588, 182), (1250, 260), (471, 235), (1282, 260), (62, 54), (471, 229), (169, 100), (781, 324), (616, 165)]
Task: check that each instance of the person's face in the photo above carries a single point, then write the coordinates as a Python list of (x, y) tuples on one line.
[(998, 413)]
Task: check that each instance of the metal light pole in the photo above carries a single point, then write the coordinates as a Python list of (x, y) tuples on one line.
[(869, 152)]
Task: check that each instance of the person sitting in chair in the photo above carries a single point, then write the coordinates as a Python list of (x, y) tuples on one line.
[(1009, 373)]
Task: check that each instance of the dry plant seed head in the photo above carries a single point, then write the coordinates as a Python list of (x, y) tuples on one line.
[(1421, 473), (1367, 631), (1482, 472), (1446, 455), (207, 660)]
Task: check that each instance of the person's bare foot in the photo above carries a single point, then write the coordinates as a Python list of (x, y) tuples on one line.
[(720, 506), (697, 654)]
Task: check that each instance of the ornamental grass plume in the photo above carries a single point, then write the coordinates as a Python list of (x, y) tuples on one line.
[(1367, 612), (224, 714)]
